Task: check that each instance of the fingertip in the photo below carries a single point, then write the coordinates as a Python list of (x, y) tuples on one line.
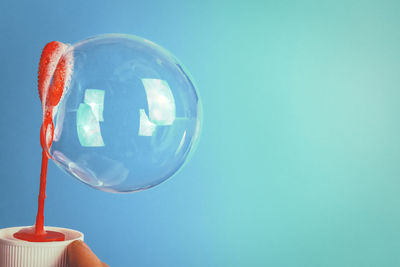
[(76, 245), (80, 255)]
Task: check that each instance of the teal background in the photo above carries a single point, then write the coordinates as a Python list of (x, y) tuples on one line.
[(298, 162)]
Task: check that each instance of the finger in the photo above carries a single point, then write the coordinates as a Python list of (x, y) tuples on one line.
[(80, 255)]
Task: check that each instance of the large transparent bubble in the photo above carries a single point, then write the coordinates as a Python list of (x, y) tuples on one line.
[(129, 115)]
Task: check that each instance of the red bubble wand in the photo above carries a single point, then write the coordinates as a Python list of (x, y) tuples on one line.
[(53, 76)]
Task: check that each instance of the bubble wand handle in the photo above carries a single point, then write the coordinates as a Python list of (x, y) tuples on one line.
[(39, 226)]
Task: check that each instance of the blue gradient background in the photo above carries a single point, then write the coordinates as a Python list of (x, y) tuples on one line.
[(298, 164)]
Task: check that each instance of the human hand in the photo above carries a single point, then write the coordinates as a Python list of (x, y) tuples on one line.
[(80, 255)]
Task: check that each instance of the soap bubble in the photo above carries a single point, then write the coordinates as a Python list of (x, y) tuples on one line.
[(129, 114)]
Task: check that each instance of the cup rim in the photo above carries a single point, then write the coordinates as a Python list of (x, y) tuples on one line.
[(6, 237)]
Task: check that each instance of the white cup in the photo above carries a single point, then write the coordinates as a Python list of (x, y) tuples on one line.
[(20, 253)]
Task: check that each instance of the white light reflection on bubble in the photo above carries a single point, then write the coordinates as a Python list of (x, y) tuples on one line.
[(88, 119), (160, 101), (95, 99), (146, 127)]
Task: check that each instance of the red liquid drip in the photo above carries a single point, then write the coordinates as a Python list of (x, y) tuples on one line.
[(50, 56)]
